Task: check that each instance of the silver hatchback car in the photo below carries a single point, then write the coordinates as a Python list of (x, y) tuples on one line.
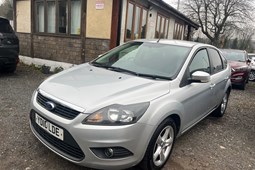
[(129, 105)]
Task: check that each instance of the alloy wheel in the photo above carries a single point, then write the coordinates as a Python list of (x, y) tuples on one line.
[(224, 104), (163, 146), (252, 76)]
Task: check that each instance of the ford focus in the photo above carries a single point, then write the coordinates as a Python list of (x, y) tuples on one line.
[(128, 106)]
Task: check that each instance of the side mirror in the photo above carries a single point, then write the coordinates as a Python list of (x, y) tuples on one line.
[(200, 76), (248, 61)]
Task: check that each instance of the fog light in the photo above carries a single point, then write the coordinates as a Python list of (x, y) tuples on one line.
[(111, 152), (108, 152)]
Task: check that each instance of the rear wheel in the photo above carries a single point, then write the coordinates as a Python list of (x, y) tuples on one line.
[(242, 86), (221, 109), (10, 69), (160, 146), (252, 75)]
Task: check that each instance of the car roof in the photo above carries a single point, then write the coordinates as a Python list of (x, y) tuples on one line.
[(233, 50), (174, 42)]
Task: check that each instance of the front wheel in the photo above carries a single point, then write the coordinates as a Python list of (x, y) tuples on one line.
[(252, 75), (160, 146)]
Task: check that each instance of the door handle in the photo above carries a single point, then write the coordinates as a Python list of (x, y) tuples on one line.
[(212, 86)]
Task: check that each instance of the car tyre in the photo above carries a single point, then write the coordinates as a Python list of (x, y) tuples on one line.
[(221, 109), (243, 86), (160, 146), (10, 70), (252, 75)]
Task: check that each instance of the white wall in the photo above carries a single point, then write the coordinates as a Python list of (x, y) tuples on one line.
[(23, 16), (152, 21)]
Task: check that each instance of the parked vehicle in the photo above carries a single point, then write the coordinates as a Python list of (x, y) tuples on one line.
[(9, 47), (240, 65), (252, 73), (129, 105)]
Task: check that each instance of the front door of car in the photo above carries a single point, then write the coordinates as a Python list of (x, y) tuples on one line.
[(196, 96)]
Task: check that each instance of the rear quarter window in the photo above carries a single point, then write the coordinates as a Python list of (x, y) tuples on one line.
[(5, 27)]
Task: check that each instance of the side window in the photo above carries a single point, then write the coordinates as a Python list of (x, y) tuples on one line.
[(200, 62), (217, 64)]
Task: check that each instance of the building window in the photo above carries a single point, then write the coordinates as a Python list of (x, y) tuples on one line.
[(162, 27), (40, 17), (178, 31), (51, 17), (75, 16), (58, 16), (62, 16), (136, 22)]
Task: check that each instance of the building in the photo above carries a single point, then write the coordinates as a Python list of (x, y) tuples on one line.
[(77, 31)]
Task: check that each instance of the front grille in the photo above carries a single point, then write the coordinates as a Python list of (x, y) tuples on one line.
[(59, 109), (68, 147)]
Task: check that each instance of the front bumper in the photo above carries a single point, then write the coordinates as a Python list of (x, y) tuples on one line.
[(239, 78), (82, 138), (9, 56)]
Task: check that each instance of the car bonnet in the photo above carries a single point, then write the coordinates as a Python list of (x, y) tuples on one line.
[(87, 86)]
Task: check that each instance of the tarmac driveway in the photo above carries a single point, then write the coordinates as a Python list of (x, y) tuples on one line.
[(225, 143)]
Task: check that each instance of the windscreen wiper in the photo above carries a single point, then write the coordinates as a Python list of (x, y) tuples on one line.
[(140, 74), (118, 69), (99, 65), (154, 76)]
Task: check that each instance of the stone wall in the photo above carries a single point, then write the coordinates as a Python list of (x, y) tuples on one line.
[(63, 49), (58, 49), (95, 47), (24, 43)]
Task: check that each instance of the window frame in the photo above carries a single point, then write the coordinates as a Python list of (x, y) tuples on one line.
[(178, 30), (57, 33), (212, 63), (209, 59), (142, 8), (161, 16), (185, 78)]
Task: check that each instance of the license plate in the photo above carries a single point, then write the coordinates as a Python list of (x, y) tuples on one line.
[(49, 127)]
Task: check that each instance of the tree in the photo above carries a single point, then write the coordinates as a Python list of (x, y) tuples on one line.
[(6, 9), (215, 17), (235, 44)]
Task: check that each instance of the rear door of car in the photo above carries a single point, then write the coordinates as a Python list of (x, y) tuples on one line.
[(219, 76)]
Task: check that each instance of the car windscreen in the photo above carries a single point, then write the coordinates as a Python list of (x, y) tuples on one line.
[(234, 55), (5, 27), (144, 58)]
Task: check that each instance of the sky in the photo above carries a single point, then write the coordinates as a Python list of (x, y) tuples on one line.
[(172, 2)]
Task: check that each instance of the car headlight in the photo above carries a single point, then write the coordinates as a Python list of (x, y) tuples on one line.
[(117, 114)]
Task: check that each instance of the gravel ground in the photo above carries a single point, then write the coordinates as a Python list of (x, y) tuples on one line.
[(227, 143)]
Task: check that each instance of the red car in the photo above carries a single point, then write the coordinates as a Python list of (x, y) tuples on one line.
[(240, 64)]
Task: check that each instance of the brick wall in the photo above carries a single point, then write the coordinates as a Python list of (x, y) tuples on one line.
[(64, 49), (95, 47), (58, 49), (24, 43)]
